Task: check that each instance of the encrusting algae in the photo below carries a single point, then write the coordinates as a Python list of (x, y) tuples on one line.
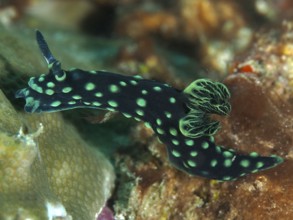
[(49, 172)]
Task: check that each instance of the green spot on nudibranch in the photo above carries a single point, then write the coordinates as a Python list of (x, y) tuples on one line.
[(175, 142), (141, 102), (133, 82), (50, 84), (139, 112), (244, 163), (96, 104), (72, 102), (189, 142), (227, 154), (66, 89), (157, 88), (138, 77), (173, 131), (172, 100), (159, 121), (227, 178), (227, 163), (191, 163), (168, 114), (205, 145), (253, 154), (39, 90), (148, 125), (122, 83), (76, 97), (176, 153), (86, 103), (144, 92), (41, 79), (90, 86), (193, 153), (218, 149), (214, 163), (160, 131), (127, 115), (114, 88), (55, 103), (113, 103), (49, 91), (98, 94), (259, 165), (93, 71)]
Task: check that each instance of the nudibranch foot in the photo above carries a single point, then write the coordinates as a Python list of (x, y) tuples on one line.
[(180, 119)]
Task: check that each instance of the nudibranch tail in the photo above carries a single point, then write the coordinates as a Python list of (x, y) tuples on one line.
[(202, 157), (180, 119)]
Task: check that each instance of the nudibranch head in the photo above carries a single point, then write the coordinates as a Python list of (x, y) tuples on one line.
[(49, 92), (42, 86)]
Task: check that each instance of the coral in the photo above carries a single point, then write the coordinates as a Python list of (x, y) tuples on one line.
[(53, 171), (80, 176)]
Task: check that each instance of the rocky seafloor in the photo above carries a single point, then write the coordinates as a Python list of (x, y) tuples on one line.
[(70, 162)]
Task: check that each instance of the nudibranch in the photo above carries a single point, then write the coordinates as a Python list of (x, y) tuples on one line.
[(180, 119)]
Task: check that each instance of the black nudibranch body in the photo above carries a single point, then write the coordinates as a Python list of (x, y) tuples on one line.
[(180, 119)]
